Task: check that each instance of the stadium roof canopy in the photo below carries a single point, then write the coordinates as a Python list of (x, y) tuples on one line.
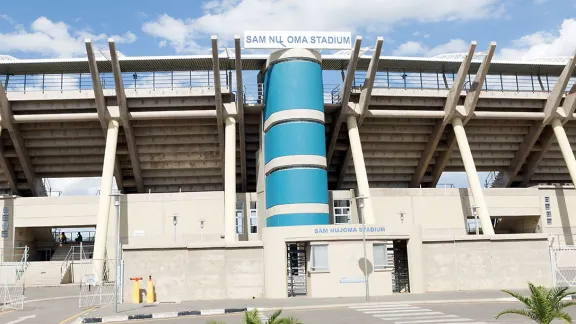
[(257, 61)]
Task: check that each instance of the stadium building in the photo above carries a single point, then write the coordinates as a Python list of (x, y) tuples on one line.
[(291, 173)]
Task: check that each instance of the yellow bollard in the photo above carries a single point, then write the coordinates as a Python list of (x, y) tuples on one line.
[(136, 290), (150, 291)]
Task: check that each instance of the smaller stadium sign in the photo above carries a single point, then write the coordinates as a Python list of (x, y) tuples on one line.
[(287, 39)]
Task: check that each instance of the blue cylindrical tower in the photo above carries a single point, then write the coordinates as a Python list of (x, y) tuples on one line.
[(294, 140)]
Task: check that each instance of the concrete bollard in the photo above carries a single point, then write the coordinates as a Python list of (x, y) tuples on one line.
[(150, 291), (136, 290)]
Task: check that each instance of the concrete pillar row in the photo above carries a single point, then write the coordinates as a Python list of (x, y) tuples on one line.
[(360, 169), (565, 148), (104, 200), (472, 175), (230, 179)]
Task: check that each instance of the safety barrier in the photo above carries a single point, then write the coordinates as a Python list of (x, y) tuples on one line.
[(12, 282), (563, 261), (99, 289), (131, 80), (423, 79)]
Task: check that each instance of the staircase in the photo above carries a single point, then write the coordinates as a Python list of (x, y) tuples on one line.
[(43, 273), (72, 251)]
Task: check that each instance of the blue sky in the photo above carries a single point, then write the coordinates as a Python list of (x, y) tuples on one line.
[(523, 29)]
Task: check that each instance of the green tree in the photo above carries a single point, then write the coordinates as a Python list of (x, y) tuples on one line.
[(253, 317), (543, 305)]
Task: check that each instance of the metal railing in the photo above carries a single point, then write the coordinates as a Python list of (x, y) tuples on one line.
[(254, 93), (490, 179), (14, 254), (423, 79), (12, 282), (87, 236), (76, 253), (131, 80)]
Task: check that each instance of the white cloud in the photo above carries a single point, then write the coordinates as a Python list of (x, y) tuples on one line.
[(49, 38), (76, 186), (228, 17), (543, 44), (412, 48), (540, 1), (7, 18)]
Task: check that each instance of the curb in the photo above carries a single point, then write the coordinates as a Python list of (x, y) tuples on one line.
[(124, 318)]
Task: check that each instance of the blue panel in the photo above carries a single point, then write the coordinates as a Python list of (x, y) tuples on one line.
[(295, 186), (293, 85), (297, 219), (294, 138)]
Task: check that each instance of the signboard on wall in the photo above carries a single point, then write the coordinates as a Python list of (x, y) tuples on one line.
[(5, 219), (297, 39), (339, 230)]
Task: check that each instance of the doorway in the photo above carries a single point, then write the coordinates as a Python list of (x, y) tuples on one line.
[(400, 277), (296, 269)]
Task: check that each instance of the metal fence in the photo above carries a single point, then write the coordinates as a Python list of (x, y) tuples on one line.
[(131, 80), (423, 79), (254, 93), (72, 236), (12, 282), (98, 290), (563, 261)]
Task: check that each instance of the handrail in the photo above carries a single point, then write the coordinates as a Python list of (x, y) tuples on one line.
[(66, 263), (131, 80), (71, 257), (23, 264)]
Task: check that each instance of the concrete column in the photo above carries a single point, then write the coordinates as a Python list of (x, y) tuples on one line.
[(415, 260), (472, 175), (105, 199), (565, 147), (230, 179), (360, 169)]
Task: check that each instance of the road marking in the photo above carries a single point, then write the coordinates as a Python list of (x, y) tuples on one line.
[(408, 314), (384, 308), (21, 319), (435, 321), (379, 306), (77, 315), (390, 316), (413, 309)]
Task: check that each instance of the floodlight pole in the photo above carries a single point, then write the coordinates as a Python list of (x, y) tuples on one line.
[(360, 200), (116, 196)]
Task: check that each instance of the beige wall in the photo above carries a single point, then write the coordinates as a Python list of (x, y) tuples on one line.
[(195, 272), (563, 212), (148, 217), (345, 255), (501, 262), (346, 261), (74, 211)]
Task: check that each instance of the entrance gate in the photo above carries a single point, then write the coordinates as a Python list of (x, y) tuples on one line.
[(563, 260), (12, 282), (95, 291), (296, 253)]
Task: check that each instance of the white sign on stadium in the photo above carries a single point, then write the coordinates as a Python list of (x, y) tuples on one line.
[(287, 39)]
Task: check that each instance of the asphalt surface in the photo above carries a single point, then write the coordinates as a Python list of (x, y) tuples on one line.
[(65, 311), (60, 305), (472, 313)]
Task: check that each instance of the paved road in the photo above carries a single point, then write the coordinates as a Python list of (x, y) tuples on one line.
[(44, 312), (401, 313), (65, 311)]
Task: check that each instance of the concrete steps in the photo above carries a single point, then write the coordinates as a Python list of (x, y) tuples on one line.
[(43, 273), (62, 251)]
